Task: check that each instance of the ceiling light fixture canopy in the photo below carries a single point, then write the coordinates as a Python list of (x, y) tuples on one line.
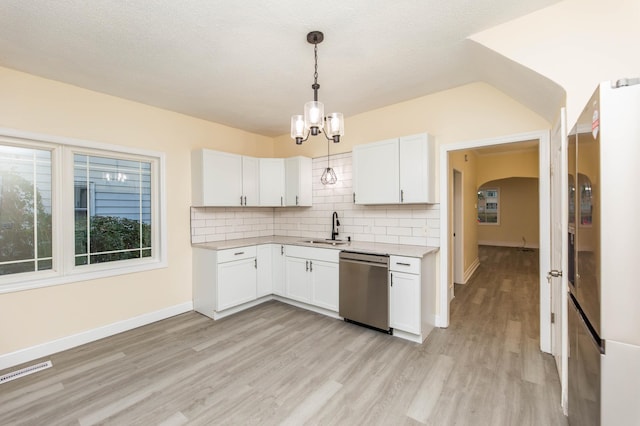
[(314, 121)]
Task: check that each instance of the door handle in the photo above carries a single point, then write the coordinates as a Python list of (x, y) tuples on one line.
[(296, 200), (391, 279), (281, 250), (245, 200), (255, 263), (241, 200), (306, 265), (310, 266)]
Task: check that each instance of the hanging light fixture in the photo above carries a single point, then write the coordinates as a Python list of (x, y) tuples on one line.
[(328, 176), (313, 120)]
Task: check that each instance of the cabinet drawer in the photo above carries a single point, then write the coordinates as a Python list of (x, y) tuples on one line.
[(326, 254), (239, 253), (409, 265)]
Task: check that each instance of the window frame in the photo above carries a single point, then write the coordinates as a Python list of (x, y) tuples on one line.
[(63, 269), (497, 190)]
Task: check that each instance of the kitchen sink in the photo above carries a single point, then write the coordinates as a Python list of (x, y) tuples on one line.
[(326, 242)]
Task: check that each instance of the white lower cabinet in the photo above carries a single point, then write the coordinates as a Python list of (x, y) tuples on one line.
[(312, 276), (404, 302), (236, 283), (324, 284), (264, 270), (277, 264)]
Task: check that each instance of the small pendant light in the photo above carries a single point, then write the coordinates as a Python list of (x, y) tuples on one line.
[(328, 176)]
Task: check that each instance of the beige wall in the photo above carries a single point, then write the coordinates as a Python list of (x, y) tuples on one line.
[(509, 164), (575, 43), (34, 104), (519, 214)]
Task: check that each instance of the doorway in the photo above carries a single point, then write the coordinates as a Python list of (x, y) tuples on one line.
[(446, 239), (458, 230)]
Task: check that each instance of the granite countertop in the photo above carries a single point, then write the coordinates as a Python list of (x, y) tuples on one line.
[(359, 246)]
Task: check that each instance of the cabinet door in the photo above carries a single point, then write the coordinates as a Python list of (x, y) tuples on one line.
[(217, 178), (277, 255), (404, 302), (297, 279), (416, 169), (250, 181), (264, 271), (272, 182), (298, 187), (376, 173), (236, 283), (324, 284)]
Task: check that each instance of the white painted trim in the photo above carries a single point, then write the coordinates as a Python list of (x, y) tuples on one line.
[(543, 147), (45, 349), (308, 307), (507, 244), (471, 270), (239, 308)]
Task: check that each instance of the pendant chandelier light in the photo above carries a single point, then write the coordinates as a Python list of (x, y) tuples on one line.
[(314, 121), (328, 176)]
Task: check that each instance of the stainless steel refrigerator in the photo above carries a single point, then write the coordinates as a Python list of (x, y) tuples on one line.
[(604, 240)]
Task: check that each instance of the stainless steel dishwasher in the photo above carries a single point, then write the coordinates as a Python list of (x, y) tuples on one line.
[(364, 289)]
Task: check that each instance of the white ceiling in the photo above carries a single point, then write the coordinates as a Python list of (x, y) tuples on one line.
[(247, 63)]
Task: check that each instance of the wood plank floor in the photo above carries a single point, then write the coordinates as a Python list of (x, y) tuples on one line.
[(277, 364)]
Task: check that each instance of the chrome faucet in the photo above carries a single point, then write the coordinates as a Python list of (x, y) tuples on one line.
[(334, 225)]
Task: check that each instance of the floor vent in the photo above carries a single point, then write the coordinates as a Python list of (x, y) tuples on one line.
[(25, 371)]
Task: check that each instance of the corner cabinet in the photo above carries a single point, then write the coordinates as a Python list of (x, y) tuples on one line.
[(221, 179), (395, 171)]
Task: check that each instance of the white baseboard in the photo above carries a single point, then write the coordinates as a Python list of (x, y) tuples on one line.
[(470, 270), (44, 349), (507, 244)]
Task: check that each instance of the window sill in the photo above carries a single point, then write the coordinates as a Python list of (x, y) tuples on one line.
[(57, 279)]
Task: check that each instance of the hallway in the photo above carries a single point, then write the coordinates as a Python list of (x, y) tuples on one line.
[(501, 377)]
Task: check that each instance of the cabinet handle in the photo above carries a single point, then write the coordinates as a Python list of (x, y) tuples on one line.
[(241, 200), (238, 253), (310, 266), (281, 200), (296, 200), (402, 195), (245, 200), (307, 265), (354, 197), (281, 250), (255, 263), (391, 279), (403, 264)]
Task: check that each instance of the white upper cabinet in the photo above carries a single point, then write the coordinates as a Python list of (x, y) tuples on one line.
[(298, 181), (221, 179), (395, 171), (250, 181), (216, 178), (272, 182), (417, 163), (376, 172)]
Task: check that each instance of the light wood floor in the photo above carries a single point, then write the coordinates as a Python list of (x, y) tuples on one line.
[(277, 364)]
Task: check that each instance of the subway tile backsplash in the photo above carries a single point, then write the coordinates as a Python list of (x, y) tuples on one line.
[(397, 224)]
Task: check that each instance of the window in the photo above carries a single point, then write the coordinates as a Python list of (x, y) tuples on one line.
[(488, 206), (25, 210), (77, 210)]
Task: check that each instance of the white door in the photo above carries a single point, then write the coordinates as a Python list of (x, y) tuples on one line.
[(236, 283), (404, 302), (222, 178), (415, 185), (297, 279), (250, 183), (264, 270), (271, 182), (277, 256), (376, 172), (458, 237), (559, 206), (324, 284)]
